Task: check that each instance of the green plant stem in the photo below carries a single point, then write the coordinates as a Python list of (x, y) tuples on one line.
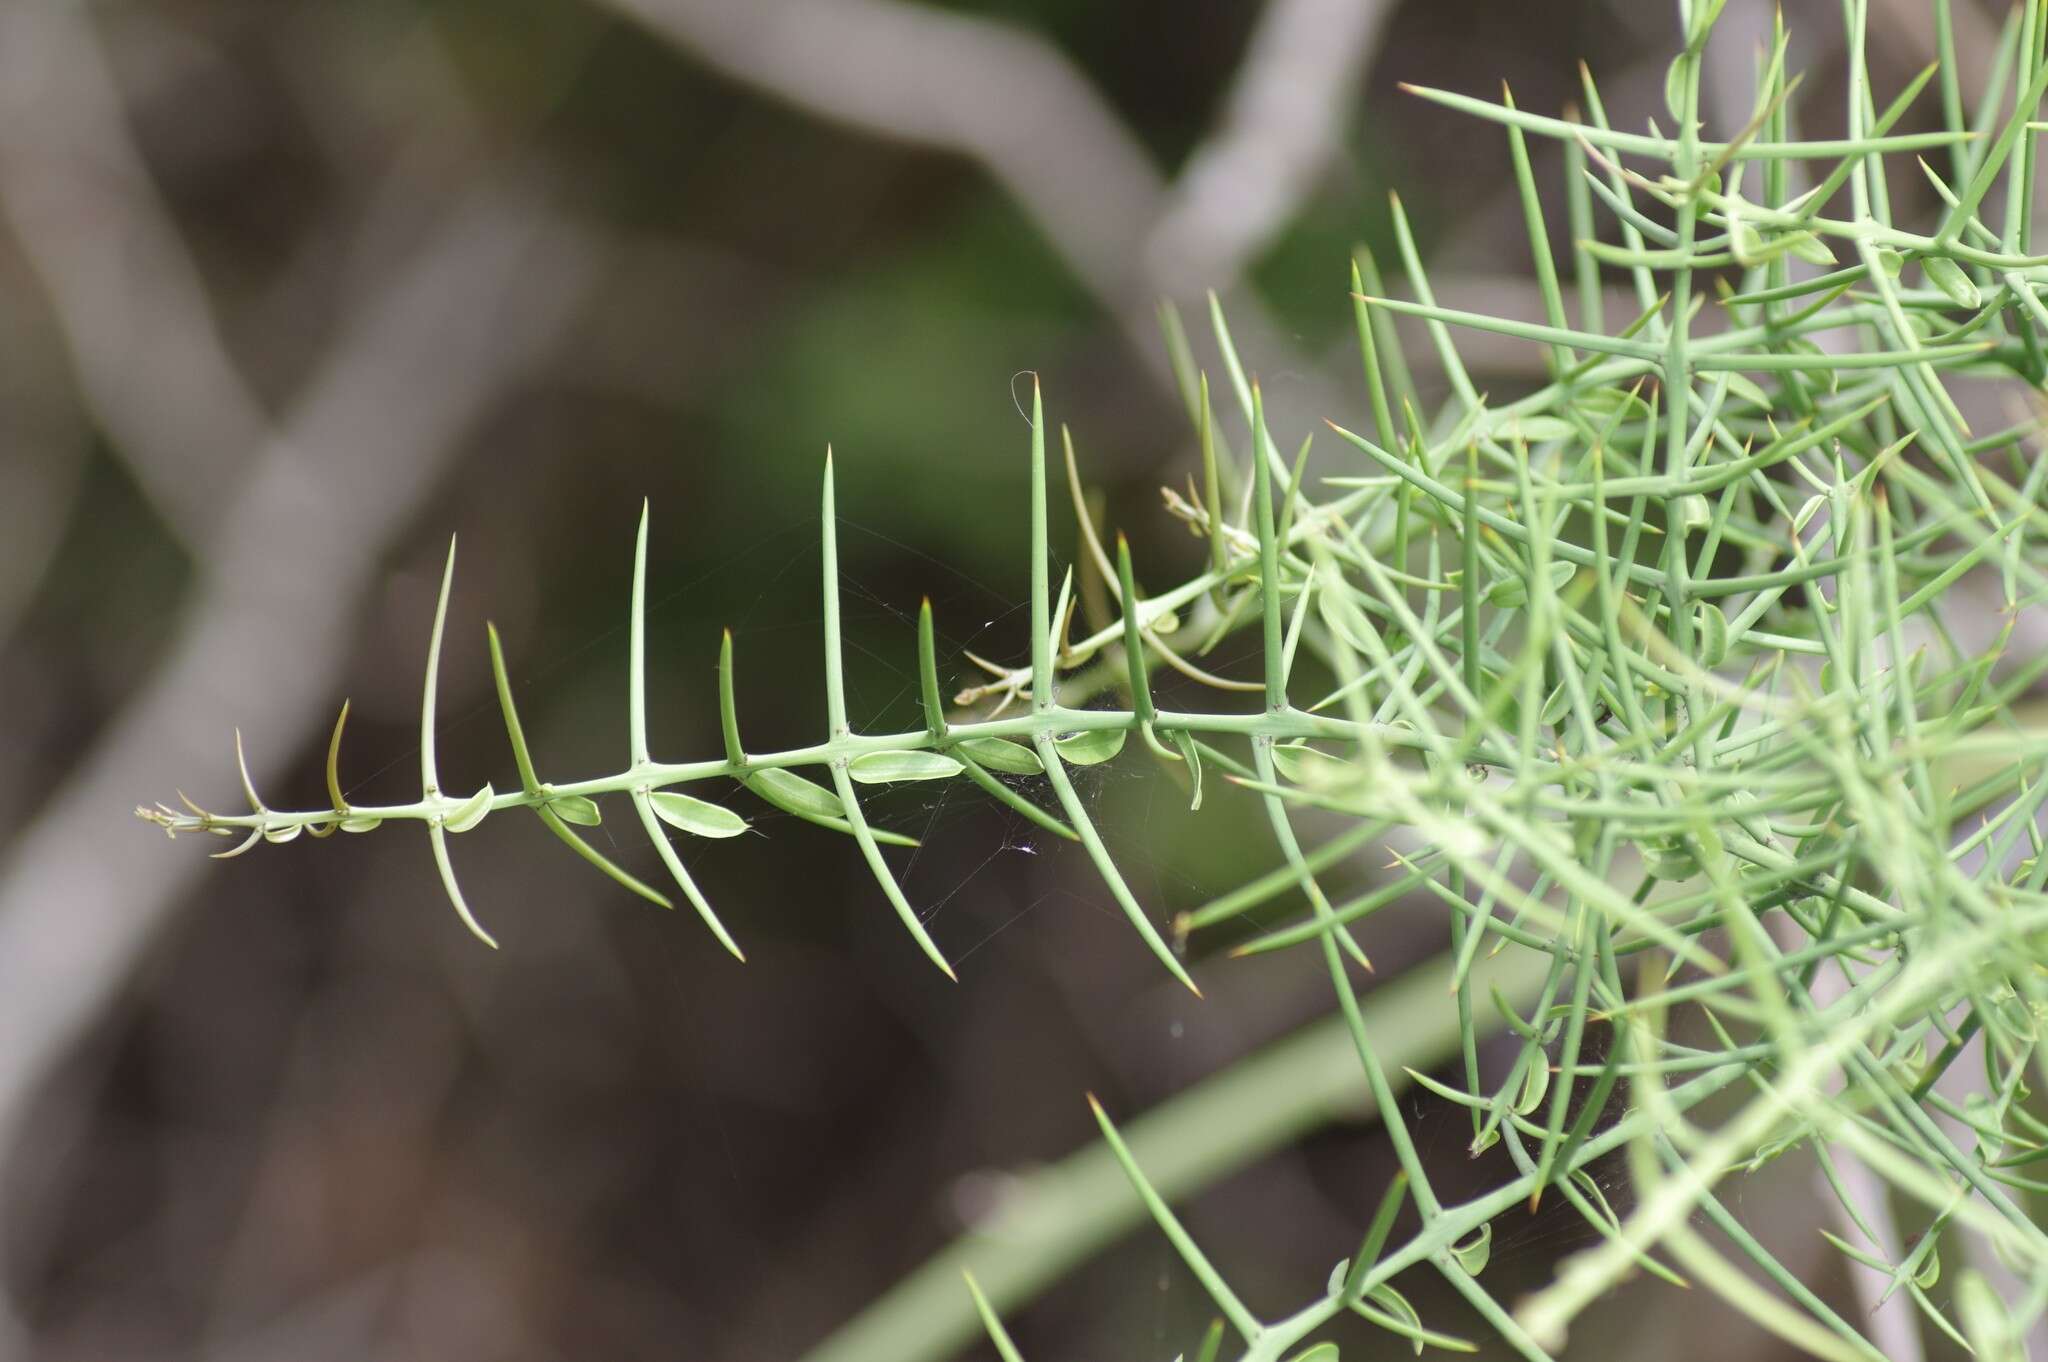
[(1055, 1218)]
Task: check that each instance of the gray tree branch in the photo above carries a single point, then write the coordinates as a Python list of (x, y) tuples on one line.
[(1013, 103), (144, 344), (324, 497), (1282, 125)]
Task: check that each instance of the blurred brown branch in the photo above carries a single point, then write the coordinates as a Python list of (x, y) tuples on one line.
[(143, 341), (289, 523), (1014, 103), (262, 634), (1281, 128)]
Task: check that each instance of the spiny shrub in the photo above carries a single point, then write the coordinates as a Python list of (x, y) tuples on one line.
[(1664, 668)]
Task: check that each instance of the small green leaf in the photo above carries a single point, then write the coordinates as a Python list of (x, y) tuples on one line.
[(1809, 248), (1321, 1352), (1513, 1018), (1091, 746), (1606, 401), (1710, 629), (1305, 765), (1674, 86), (576, 809), (808, 800), (1395, 1304), (696, 816), (1948, 276), (643, 805), (1000, 754), (1670, 859), (1746, 390), (1511, 591), (1891, 262), (1772, 1149), (1535, 1083), (1538, 430), (1472, 1256), (361, 824), (1806, 511), (1192, 755), (471, 812), (793, 793), (883, 768), (928, 673), (255, 836), (280, 836), (1744, 240), (1390, 1310)]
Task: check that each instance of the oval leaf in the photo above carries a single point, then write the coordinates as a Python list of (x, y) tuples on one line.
[(1305, 765), (1670, 860), (361, 824), (1807, 509), (699, 817), (576, 809), (1538, 430), (1192, 755), (1472, 1257), (472, 811), (1809, 248), (1949, 277), (1711, 627), (1090, 747), (795, 794), (883, 768), (1515, 590), (1535, 1084), (1607, 401), (1746, 390), (1000, 754), (1395, 1304), (792, 793), (1744, 240)]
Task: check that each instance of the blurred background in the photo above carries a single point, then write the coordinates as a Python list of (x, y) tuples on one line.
[(292, 291)]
